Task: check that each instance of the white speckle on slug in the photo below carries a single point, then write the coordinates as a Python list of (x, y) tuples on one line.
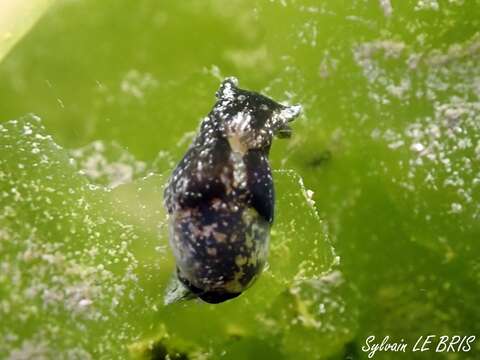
[(291, 112)]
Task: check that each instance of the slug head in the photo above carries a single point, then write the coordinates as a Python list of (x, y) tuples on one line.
[(249, 120)]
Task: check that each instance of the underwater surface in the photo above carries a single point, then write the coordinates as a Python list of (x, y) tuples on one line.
[(377, 223)]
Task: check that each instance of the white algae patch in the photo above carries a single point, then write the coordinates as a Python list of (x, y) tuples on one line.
[(107, 164), (137, 84), (427, 5), (386, 6), (440, 145)]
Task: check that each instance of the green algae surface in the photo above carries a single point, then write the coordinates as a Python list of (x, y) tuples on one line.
[(378, 190)]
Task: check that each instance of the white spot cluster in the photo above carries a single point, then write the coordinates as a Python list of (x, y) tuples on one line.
[(441, 145), (107, 164), (386, 6), (366, 56), (289, 113), (137, 84), (239, 124), (427, 5), (239, 170)]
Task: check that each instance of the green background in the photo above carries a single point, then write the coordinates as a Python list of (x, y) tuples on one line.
[(389, 143)]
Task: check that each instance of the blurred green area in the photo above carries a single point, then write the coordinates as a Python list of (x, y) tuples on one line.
[(16, 19), (389, 142)]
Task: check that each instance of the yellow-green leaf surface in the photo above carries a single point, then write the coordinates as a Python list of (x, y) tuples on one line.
[(85, 266), (378, 190)]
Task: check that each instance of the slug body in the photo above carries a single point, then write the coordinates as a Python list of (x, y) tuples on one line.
[(220, 197)]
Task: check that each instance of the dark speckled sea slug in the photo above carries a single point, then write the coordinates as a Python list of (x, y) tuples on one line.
[(220, 198)]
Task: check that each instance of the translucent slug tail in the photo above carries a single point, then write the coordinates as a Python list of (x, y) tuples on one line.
[(176, 291)]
